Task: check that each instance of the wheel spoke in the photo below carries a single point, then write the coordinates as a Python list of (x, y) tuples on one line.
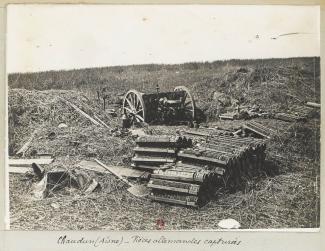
[(133, 100), (130, 104), (130, 98), (133, 107), (139, 117), (138, 104), (184, 98), (129, 110), (139, 111), (189, 102), (188, 110)]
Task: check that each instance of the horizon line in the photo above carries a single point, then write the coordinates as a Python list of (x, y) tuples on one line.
[(157, 64)]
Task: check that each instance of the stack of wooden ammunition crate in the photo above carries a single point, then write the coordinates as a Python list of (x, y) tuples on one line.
[(153, 151), (195, 173)]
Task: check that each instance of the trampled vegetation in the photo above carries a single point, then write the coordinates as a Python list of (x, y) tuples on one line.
[(286, 197)]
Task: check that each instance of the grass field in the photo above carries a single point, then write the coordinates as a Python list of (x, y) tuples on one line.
[(286, 196)]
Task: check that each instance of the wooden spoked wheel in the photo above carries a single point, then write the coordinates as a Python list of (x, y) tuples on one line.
[(187, 102), (133, 107)]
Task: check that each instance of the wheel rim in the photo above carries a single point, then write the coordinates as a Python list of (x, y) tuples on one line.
[(133, 106), (188, 102)]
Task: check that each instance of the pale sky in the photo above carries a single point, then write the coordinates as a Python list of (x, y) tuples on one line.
[(54, 37)]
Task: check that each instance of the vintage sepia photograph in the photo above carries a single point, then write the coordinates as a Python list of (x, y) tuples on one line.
[(163, 117)]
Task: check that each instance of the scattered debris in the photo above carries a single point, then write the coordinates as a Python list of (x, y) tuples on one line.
[(257, 129), (39, 189), (51, 136), (38, 170), (229, 224), (59, 178), (55, 205), (82, 178), (197, 133), (312, 104), (137, 132), (136, 190), (62, 125), (112, 112), (297, 113), (244, 112), (24, 148), (287, 117), (304, 112), (208, 132), (44, 155), (122, 171), (230, 116), (93, 185)]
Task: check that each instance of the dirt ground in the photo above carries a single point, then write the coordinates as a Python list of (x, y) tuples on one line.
[(286, 197)]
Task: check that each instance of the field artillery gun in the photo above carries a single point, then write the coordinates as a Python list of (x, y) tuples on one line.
[(159, 107)]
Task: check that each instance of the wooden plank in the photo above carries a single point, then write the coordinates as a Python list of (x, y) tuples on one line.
[(81, 112), (227, 116), (102, 122), (267, 129), (190, 156), (170, 188), (206, 147), (153, 150), (155, 139), (197, 133), (20, 169), (150, 167), (160, 160), (123, 171), (177, 178), (173, 201), (28, 162), (147, 167)]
